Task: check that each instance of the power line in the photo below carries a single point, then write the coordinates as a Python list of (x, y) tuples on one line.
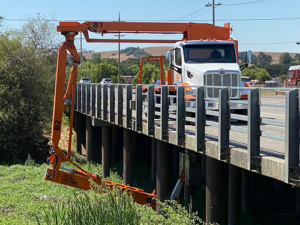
[(140, 7), (154, 10), (276, 43), (198, 10), (244, 3), (172, 9)]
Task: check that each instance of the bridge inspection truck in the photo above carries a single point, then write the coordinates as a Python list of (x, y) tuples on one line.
[(194, 63)]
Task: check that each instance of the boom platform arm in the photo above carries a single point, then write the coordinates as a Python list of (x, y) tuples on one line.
[(78, 178)]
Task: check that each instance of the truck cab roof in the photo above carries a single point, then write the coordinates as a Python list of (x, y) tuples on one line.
[(198, 42)]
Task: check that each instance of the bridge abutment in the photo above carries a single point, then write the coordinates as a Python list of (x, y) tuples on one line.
[(213, 190)]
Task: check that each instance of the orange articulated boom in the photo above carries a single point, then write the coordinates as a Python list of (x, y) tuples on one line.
[(190, 31), (80, 178)]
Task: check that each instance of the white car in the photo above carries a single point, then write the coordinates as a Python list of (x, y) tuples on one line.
[(85, 80), (106, 81)]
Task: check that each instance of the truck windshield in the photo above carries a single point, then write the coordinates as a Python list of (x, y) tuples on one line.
[(217, 53)]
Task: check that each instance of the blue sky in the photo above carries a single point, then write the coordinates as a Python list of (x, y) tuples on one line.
[(269, 35)]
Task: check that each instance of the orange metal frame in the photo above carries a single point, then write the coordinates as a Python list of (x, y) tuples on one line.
[(80, 178)]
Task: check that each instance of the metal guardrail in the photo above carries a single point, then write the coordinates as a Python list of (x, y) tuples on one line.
[(105, 102)]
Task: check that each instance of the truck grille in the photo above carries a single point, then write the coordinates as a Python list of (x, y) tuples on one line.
[(225, 80)]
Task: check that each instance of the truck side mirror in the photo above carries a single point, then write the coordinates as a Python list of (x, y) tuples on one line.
[(248, 54), (169, 57)]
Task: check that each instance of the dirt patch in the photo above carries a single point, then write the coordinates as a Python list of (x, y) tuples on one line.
[(7, 210)]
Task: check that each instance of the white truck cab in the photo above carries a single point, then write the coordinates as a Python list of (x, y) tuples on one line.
[(209, 63)]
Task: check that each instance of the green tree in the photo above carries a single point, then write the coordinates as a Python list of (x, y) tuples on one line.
[(297, 58), (96, 58), (250, 72), (150, 74), (285, 59), (282, 77), (262, 75), (27, 74), (264, 58)]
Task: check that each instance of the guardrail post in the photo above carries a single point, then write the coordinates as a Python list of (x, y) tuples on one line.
[(112, 103), (83, 87), (291, 158), (253, 146), (164, 112), (93, 100), (200, 120), (120, 105), (88, 99), (150, 110), (78, 97), (224, 124), (98, 101), (180, 117), (104, 102), (128, 109), (138, 108)]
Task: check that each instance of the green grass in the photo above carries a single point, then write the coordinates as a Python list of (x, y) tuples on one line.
[(26, 198)]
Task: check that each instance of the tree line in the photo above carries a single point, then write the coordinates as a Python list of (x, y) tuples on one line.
[(263, 70)]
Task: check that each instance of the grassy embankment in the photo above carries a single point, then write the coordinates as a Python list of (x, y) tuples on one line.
[(26, 197)]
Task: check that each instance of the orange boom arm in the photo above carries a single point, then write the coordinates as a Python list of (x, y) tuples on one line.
[(80, 178)]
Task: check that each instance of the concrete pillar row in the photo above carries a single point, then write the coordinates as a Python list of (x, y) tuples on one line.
[(153, 160), (89, 138), (128, 157), (97, 143), (213, 190), (162, 171), (78, 130), (234, 195), (246, 190), (115, 141), (176, 151), (106, 150), (298, 201)]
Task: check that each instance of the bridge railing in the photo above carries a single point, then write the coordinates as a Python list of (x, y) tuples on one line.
[(175, 107)]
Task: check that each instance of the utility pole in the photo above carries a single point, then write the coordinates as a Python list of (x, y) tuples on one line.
[(213, 5), (119, 35), (81, 58)]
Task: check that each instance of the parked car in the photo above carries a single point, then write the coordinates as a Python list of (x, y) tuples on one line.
[(106, 81), (85, 80)]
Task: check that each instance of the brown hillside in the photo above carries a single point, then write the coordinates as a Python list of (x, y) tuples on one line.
[(275, 55), (155, 51), (158, 51)]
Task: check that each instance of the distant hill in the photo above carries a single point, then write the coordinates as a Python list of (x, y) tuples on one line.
[(155, 51), (161, 50)]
